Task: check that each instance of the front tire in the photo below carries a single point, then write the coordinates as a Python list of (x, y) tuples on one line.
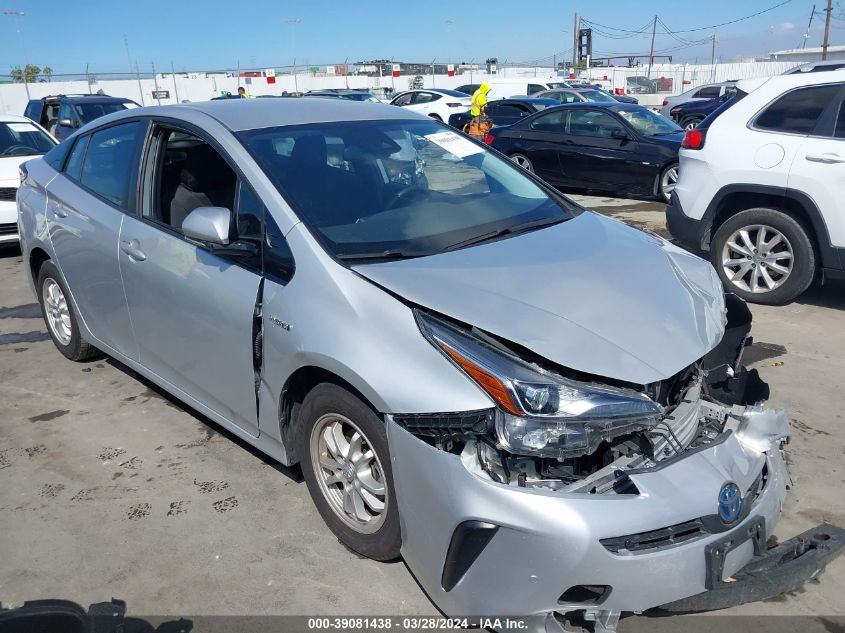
[(346, 465), (764, 256), (523, 161), (58, 313)]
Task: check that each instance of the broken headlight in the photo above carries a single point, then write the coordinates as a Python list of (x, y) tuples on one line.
[(541, 413)]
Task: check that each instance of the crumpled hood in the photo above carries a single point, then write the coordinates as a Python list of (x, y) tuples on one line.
[(591, 294)]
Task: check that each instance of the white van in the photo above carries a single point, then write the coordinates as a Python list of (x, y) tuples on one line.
[(507, 87)]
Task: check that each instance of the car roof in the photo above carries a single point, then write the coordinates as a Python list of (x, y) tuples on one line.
[(251, 114), (528, 100), (609, 105), (13, 118)]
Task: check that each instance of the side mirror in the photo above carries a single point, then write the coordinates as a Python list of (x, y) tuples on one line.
[(65, 122), (619, 134), (208, 224)]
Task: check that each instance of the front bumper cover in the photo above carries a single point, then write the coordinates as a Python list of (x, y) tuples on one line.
[(545, 543)]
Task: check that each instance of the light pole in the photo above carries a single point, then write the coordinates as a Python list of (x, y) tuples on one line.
[(15, 14), (292, 22), (448, 22)]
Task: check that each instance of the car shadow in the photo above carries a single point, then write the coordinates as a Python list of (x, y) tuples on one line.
[(294, 473), (7, 251), (830, 294)]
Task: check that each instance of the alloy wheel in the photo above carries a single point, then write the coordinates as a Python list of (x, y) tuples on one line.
[(668, 181), (691, 125), (757, 258), (349, 473), (523, 162), (57, 312)]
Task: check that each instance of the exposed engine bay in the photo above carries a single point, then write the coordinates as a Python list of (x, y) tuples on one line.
[(686, 411)]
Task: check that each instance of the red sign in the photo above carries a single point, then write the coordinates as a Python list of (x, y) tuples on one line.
[(271, 80), (395, 70), (450, 70)]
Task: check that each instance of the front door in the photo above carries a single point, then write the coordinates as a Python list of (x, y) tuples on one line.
[(193, 309), (86, 205)]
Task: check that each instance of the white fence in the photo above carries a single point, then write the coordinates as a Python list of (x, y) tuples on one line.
[(670, 79)]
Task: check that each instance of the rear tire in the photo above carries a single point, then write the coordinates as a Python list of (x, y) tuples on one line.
[(59, 316), (523, 161), (691, 123), (667, 182), (764, 256), (346, 464)]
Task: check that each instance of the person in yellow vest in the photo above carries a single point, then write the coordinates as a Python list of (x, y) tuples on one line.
[(479, 100), (243, 94), (478, 125)]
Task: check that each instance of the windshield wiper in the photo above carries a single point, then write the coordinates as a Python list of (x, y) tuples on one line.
[(510, 230), (388, 254)]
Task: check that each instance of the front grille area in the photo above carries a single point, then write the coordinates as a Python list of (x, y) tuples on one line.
[(654, 539), (9, 229), (7, 194), (688, 531)]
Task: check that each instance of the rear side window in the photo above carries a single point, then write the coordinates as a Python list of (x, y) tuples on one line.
[(798, 111), (56, 156), (839, 132), (707, 93), (73, 169), (111, 160), (535, 88), (550, 122)]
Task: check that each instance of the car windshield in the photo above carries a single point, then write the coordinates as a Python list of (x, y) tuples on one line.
[(23, 139), (398, 188), (595, 95), (649, 123), (90, 111)]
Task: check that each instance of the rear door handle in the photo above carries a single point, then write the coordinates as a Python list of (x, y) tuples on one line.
[(827, 158), (133, 249), (58, 209)]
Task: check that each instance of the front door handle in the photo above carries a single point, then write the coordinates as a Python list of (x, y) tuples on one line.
[(827, 158), (133, 249)]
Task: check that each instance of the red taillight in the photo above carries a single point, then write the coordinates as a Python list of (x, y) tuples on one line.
[(693, 139), (665, 103), (488, 138)]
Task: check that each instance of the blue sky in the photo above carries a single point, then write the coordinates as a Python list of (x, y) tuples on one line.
[(196, 34)]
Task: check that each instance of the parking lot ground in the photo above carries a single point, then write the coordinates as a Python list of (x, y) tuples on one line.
[(108, 487)]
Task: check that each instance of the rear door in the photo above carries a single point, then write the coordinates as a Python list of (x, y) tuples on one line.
[(86, 205), (506, 113), (194, 309), (819, 169), (542, 139)]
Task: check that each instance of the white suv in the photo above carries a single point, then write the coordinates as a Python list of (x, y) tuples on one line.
[(761, 185)]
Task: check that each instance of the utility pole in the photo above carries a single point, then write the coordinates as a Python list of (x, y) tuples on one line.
[(137, 73), (576, 27), (651, 52), (809, 25), (713, 58), (16, 15), (828, 11), (175, 87)]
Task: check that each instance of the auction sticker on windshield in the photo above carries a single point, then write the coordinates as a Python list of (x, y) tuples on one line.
[(454, 144), (21, 127)]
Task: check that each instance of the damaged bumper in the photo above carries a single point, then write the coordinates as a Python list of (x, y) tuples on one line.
[(484, 548)]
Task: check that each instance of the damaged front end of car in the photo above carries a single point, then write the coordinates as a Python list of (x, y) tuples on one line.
[(579, 494)]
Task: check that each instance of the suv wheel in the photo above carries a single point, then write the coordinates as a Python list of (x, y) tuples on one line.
[(764, 256), (346, 465), (59, 315)]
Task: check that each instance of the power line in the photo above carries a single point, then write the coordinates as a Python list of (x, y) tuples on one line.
[(742, 19)]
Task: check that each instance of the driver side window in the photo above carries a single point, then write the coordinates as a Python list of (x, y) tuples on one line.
[(189, 174)]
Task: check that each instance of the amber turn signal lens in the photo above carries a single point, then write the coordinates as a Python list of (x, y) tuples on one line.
[(492, 385)]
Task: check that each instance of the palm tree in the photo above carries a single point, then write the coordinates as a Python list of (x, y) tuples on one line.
[(48, 72)]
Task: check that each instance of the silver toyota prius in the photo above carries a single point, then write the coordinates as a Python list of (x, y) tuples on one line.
[(541, 409)]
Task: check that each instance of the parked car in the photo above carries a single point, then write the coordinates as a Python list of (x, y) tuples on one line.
[(705, 92), (437, 103), (62, 114), (691, 113), (20, 141), (610, 146), (359, 289), (349, 95), (760, 186), (505, 111), (504, 87), (641, 85), (576, 95), (622, 98)]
